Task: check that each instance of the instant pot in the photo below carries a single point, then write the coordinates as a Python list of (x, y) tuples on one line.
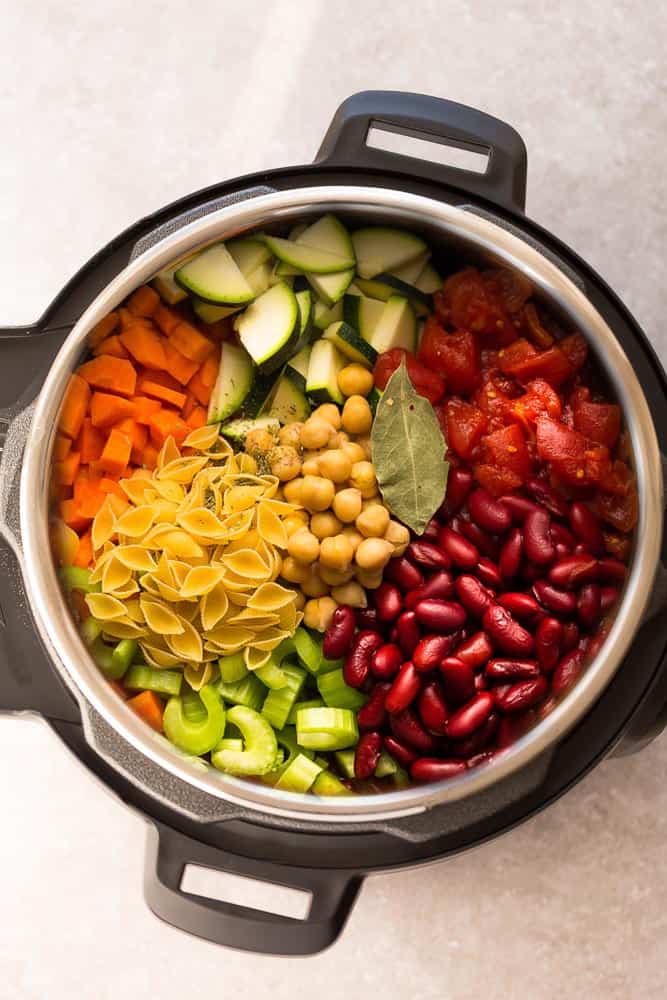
[(200, 816)]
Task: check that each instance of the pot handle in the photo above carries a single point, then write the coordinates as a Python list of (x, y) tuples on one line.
[(333, 895), (434, 120)]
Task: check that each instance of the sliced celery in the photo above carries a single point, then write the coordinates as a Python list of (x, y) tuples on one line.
[(299, 775), (194, 709), (279, 703), (337, 694), (142, 678), (195, 737), (249, 692), (103, 655), (259, 740), (385, 766), (231, 744), (313, 703), (232, 668), (345, 761), (326, 783), (326, 666), (90, 630), (308, 649), (123, 654), (272, 676), (76, 578), (326, 728), (287, 739)]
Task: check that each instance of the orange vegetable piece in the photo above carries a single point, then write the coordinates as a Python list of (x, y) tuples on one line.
[(144, 408), (160, 378), (71, 515), (177, 365), (75, 405), (164, 424), (61, 447), (166, 318), (148, 707), (144, 301), (115, 375), (145, 346), (88, 496), (107, 410), (65, 472), (209, 370), (138, 435), (189, 405), (111, 345), (150, 456), (84, 553), (197, 418), (176, 399), (116, 452), (90, 441), (111, 486), (118, 504), (201, 392), (190, 342), (103, 329)]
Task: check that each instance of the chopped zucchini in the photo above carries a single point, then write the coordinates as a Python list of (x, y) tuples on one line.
[(397, 326), (269, 327), (165, 285), (411, 271), (323, 316), (329, 234), (298, 367), (259, 279), (362, 313), (259, 396), (234, 381), (209, 313), (351, 344), (249, 254), (386, 285), (325, 363), (381, 249), (308, 259), (238, 430), (214, 276), (289, 403), (429, 280), (331, 287)]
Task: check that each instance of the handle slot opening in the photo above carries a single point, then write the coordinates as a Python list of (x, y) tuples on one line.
[(419, 145), (240, 890)]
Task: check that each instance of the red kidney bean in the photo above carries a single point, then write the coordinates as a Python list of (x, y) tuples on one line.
[(445, 616), (608, 598), (367, 754), (511, 670), (358, 661), (487, 571), (473, 595), (462, 552), (547, 496), (522, 606), (572, 571), (470, 716), (548, 637), (562, 550), (570, 636), (428, 555), (338, 637), (367, 618), (403, 573), (481, 683), (430, 650), (458, 679), (373, 714), (407, 632), (402, 755), (611, 570), (537, 541), (430, 532), (482, 540), (560, 602), (581, 550), (511, 554), (596, 642), (388, 601), (588, 605), (519, 506), (407, 728), (459, 482), (405, 688), (479, 739), (586, 527), (506, 633), (436, 769), (545, 707), (475, 651), (561, 536), (432, 708), (490, 514), (483, 758), (513, 727), (523, 695), (567, 672), (439, 585), (386, 660)]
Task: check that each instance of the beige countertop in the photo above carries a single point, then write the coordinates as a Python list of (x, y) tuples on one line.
[(109, 111)]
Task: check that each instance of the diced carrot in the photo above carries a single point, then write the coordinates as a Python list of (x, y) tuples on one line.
[(71, 515), (128, 319), (111, 345), (90, 441), (176, 399), (111, 486), (88, 496), (150, 456), (189, 405), (144, 408), (145, 346), (178, 366), (107, 410), (75, 405), (103, 329), (164, 424), (190, 342), (201, 392), (144, 301), (209, 370), (159, 378), (138, 435), (60, 493), (61, 447), (116, 452), (142, 473), (84, 553), (115, 375), (148, 707), (118, 504), (197, 418), (65, 472), (166, 318)]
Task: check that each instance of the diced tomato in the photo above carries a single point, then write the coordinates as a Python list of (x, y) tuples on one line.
[(617, 546), (619, 480), (471, 301), (532, 324), (510, 288), (577, 459), (516, 353), (498, 482), (454, 355), (575, 350), (600, 422), (620, 512), (551, 365), (427, 383), (465, 425), (539, 400), (506, 449)]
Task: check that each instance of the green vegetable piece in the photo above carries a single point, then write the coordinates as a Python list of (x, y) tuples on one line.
[(272, 675), (76, 578), (142, 678), (313, 703), (260, 742), (299, 775), (326, 666), (326, 728), (279, 702), (401, 779), (232, 668), (345, 761), (103, 656), (231, 744), (337, 694), (408, 450), (327, 783), (90, 630), (385, 766), (195, 737), (122, 656), (308, 649), (249, 692)]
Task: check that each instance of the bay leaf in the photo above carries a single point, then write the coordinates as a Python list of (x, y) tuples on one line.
[(408, 451)]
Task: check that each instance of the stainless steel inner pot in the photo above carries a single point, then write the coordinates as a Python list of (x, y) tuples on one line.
[(473, 235)]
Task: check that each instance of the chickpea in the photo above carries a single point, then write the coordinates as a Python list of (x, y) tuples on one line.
[(285, 462), (336, 577), (399, 536), (373, 521), (336, 552), (354, 451), (293, 491), (357, 416), (342, 438), (355, 380), (325, 524), (315, 433), (374, 501), (311, 467), (295, 521), (303, 546), (291, 434), (353, 535), (330, 413), (317, 493), (318, 613), (364, 442), (294, 572), (363, 478), (314, 585), (373, 554), (351, 593), (347, 504), (258, 440), (299, 600), (335, 465), (369, 579), (279, 494)]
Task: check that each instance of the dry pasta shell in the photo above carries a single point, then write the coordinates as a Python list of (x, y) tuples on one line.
[(135, 522), (104, 525), (280, 507), (270, 527), (124, 630), (179, 545), (247, 464), (160, 618), (138, 491), (200, 675), (231, 637), (238, 524), (168, 592), (241, 498), (270, 639), (133, 608), (168, 453), (96, 573), (202, 522), (247, 563), (165, 512), (203, 437), (105, 607), (163, 571), (255, 658), (180, 471), (131, 588), (271, 596), (287, 615), (200, 580), (168, 488), (220, 450), (187, 644), (252, 619), (65, 542), (160, 658), (213, 607), (135, 557), (188, 610)]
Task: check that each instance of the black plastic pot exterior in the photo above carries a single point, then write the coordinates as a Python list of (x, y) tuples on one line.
[(330, 862)]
